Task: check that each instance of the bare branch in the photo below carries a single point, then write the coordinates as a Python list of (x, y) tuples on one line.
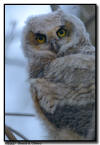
[(9, 134), (20, 114), (10, 36), (16, 132)]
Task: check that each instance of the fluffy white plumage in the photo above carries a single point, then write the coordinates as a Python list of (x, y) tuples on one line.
[(61, 65)]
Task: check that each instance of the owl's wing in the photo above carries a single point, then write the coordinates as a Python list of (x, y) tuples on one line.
[(73, 70), (67, 94), (64, 107), (71, 48)]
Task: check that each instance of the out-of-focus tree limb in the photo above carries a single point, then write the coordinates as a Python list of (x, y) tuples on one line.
[(9, 134), (54, 7), (87, 15), (88, 22), (11, 34), (15, 62), (20, 114), (7, 128)]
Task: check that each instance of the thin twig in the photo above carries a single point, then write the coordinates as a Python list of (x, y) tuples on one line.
[(17, 133), (9, 134), (20, 114)]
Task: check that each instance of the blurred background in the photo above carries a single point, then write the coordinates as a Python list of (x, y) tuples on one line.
[(17, 95)]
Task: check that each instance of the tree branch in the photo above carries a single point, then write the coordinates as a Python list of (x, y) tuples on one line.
[(90, 20), (9, 134), (16, 132), (54, 7), (20, 114)]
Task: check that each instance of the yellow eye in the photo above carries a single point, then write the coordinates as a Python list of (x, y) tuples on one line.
[(40, 38), (61, 33)]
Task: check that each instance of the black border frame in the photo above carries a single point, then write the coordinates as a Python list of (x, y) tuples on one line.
[(96, 83)]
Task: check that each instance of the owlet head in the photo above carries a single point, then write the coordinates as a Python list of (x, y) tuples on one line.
[(52, 31)]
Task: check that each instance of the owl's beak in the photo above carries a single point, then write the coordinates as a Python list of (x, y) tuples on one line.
[(54, 46)]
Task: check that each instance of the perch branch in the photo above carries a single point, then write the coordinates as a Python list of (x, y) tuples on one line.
[(17, 133), (9, 134)]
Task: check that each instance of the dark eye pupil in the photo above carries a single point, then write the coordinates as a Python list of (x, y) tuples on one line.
[(40, 38), (61, 32)]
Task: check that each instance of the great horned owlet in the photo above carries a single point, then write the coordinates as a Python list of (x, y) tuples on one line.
[(61, 66)]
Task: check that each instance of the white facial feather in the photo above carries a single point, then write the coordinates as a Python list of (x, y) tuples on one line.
[(44, 23)]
